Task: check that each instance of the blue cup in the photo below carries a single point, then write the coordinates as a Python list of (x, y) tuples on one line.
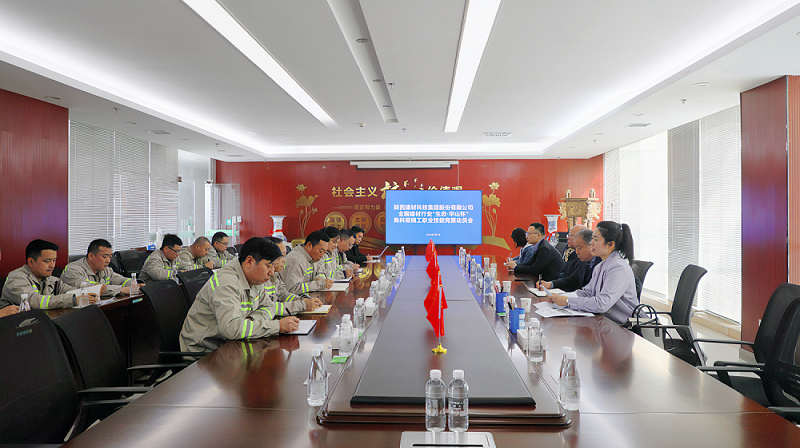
[(500, 302), (513, 319)]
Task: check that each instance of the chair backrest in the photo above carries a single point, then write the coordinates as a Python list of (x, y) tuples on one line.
[(116, 267), (561, 247), (232, 251), (92, 347), (169, 309), (73, 258), (131, 261), (193, 281), (38, 396), (238, 248), (640, 269), (781, 372), (681, 312), (783, 295)]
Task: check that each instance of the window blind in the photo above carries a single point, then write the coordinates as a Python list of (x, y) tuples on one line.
[(163, 188)]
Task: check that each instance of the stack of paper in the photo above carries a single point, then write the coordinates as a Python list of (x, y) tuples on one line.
[(338, 287), (547, 309), (321, 310), (538, 293)]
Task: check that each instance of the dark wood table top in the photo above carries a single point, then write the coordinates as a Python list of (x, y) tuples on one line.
[(633, 393)]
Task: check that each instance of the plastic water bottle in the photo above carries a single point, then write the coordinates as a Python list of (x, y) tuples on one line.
[(346, 336), (83, 300), (317, 379), (521, 325), (488, 289), (458, 402), (535, 352), (360, 316), (435, 417), (571, 384), (564, 351), (24, 304), (134, 285)]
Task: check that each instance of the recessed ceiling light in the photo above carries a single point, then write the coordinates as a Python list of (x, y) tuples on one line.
[(222, 150), (701, 84), (570, 147), (377, 80), (496, 134), (52, 97), (362, 40), (637, 125), (637, 114), (158, 131), (386, 105), (185, 139)]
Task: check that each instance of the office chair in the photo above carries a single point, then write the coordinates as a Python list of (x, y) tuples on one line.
[(73, 258), (640, 269), (38, 397), (561, 247), (131, 261), (762, 345), (681, 314), (193, 281), (169, 308)]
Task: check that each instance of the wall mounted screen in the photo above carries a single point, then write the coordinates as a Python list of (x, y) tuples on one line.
[(444, 216)]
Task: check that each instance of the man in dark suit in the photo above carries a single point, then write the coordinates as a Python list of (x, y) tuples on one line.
[(546, 260), (576, 274)]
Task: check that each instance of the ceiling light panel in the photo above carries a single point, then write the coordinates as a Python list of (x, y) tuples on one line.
[(353, 25), (479, 18), (219, 19)]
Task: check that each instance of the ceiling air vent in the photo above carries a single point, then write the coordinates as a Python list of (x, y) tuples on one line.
[(496, 134), (235, 155), (637, 125), (158, 131)]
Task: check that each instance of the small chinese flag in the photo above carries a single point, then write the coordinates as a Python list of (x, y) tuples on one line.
[(429, 250), (433, 268), (435, 304)]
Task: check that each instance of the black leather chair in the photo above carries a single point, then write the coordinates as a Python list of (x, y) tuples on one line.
[(238, 248), (193, 281), (233, 251), (169, 309), (762, 346), (640, 269), (38, 396), (2, 283), (561, 247), (683, 345), (73, 258), (131, 261)]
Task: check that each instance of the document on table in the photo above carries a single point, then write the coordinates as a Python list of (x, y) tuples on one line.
[(537, 293), (547, 309), (343, 280), (91, 289), (374, 260), (337, 287), (305, 327), (321, 310)]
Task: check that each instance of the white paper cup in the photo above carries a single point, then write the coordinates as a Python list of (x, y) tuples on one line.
[(493, 272), (486, 262), (526, 305), (506, 285), (493, 266)]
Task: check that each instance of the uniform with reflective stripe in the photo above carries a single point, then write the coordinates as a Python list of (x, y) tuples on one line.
[(51, 292), (79, 271)]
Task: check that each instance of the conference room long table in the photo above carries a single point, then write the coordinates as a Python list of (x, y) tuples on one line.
[(252, 393)]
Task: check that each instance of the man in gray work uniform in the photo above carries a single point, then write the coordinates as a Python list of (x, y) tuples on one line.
[(93, 268), (299, 275)]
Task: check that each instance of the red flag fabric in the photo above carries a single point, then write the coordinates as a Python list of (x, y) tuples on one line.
[(433, 267), (435, 313), (429, 251)]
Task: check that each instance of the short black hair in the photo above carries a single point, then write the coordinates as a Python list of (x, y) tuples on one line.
[(332, 232), (357, 230), (219, 236), (275, 239), (171, 240), (315, 237), (35, 248), (518, 237), (201, 240), (260, 249), (539, 227), (585, 235), (94, 246), (345, 234)]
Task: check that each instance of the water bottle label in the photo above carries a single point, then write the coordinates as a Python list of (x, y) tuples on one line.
[(431, 408), (536, 346), (572, 394), (317, 389), (459, 409)]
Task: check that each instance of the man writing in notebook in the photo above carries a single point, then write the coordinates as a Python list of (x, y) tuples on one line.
[(286, 303), (233, 304)]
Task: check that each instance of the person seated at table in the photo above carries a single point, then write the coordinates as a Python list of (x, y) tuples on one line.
[(569, 252), (343, 268), (196, 256), (581, 272), (545, 261), (34, 279), (519, 237), (219, 250), (286, 303), (299, 275), (326, 266), (8, 309), (233, 305), (162, 264), (612, 288), (354, 254), (93, 268)]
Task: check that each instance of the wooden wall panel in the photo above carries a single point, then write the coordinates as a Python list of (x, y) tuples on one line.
[(528, 189), (34, 170), (764, 198), (793, 151)]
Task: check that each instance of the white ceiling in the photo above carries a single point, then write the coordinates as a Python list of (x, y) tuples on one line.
[(563, 77)]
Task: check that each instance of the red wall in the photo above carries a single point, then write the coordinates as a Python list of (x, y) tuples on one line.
[(528, 189), (34, 169), (764, 198)]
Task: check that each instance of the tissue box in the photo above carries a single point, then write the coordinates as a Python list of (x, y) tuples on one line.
[(522, 338), (335, 339)]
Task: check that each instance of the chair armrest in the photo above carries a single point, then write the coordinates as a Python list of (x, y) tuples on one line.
[(192, 354), (104, 403), (722, 341), (158, 366), (784, 410), (120, 390), (730, 369), (679, 327), (739, 364)]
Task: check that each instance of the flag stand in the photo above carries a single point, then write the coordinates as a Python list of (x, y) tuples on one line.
[(439, 349)]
